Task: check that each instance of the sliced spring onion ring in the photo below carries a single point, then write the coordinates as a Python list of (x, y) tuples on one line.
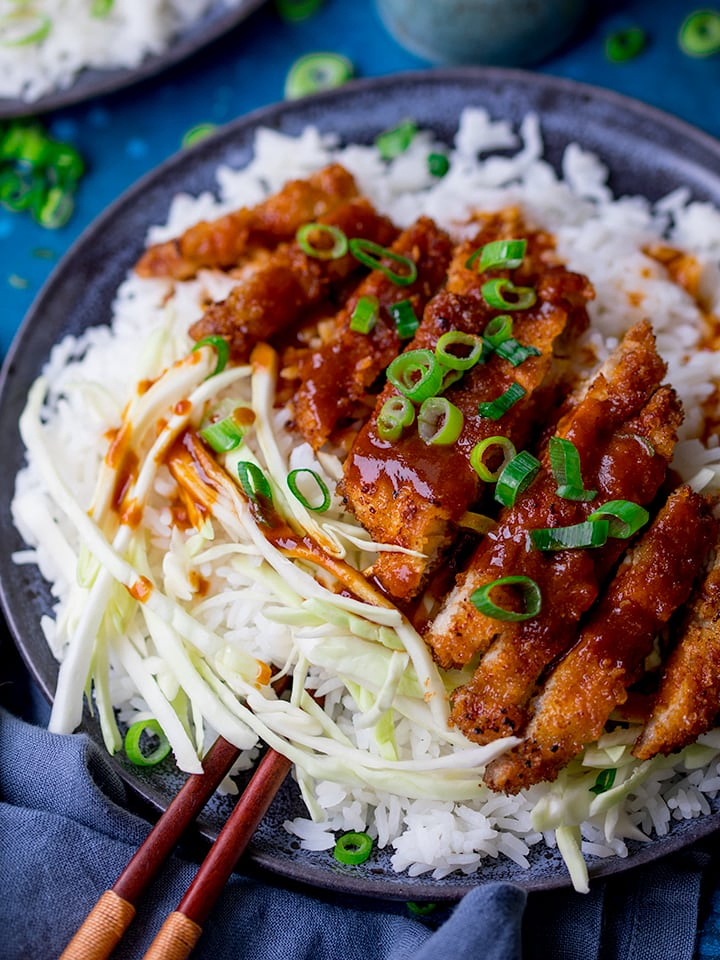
[(253, 481), (477, 522), (531, 596), (24, 26), (565, 466), (516, 476), (494, 409), (498, 255), (590, 533), (222, 348), (478, 452), (370, 253), (699, 34), (353, 848), (605, 780), (624, 45), (416, 374), (420, 909), (65, 162), (201, 131), (133, 749), (391, 143), (473, 350), (439, 421), (228, 433), (499, 329), (516, 353), (338, 249), (365, 315), (315, 72), (292, 482), (406, 323), (101, 8), (438, 164), (296, 10), (395, 414), (54, 209), (625, 517), (494, 291)]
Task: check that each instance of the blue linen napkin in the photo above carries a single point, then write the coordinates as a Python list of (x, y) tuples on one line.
[(66, 833)]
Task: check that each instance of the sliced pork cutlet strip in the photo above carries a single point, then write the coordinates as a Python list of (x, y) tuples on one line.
[(623, 457), (413, 494), (688, 699), (339, 373), (226, 242), (577, 699), (271, 298)]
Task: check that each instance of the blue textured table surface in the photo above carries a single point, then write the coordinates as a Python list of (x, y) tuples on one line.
[(126, 134)]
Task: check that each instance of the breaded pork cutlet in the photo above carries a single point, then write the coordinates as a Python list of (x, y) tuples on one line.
[(273, 296), (688, 700), (624, 430), (413, 494), (338, 374), (231, 239), (592, 678)]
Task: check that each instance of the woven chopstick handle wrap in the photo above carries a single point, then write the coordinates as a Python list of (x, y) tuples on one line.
[(175, 940), (100, 932)]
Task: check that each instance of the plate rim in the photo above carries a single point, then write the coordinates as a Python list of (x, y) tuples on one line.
[(317, 878)]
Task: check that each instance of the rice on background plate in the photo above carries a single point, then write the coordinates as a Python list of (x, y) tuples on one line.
[(378, 758), (46, 44)]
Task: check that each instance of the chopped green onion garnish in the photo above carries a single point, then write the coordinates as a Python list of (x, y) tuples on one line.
[(369, 253), (625, 44), (339, 246), (18, 282), (365, 315), (392, 143), (494, 292), (499, 329), (514, 352), (516, 476), (605, 780), (292, 482), (499, 255), (438, 164), (406, 323), (494, 409), (228, 433), (316, 72), (353, 848), (416, 374), (201, 131), (439, 421), (478, 452), (21, 190), (395, 414), (591, 533), (459, 351), (565, 465), (101, 8), (700, 33), (54, 209), (421, 909), (133, 749), (296, 10), (23, 26), (65, 162), (529, 590), (253, 481), (477, 522), (222, 348), (625, 517)]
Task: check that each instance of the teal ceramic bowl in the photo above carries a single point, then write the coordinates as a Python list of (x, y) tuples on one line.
[(501, 32)]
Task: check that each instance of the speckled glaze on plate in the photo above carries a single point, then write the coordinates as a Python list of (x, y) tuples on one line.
[(93, 82), (647, 152)]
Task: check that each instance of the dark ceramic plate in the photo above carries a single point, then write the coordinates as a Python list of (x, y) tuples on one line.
[(93, 83), (647, 152)]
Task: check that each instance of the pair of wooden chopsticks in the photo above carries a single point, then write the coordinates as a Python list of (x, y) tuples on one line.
[(111, 916)]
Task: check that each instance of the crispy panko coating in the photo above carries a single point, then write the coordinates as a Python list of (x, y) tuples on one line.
[(272, 297), (340, 372), (581, 692), (413, 494), (226, 242), (624, 430), (688, 699)]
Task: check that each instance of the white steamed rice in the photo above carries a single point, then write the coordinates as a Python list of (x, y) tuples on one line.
[(91, 378), (71, 38)]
